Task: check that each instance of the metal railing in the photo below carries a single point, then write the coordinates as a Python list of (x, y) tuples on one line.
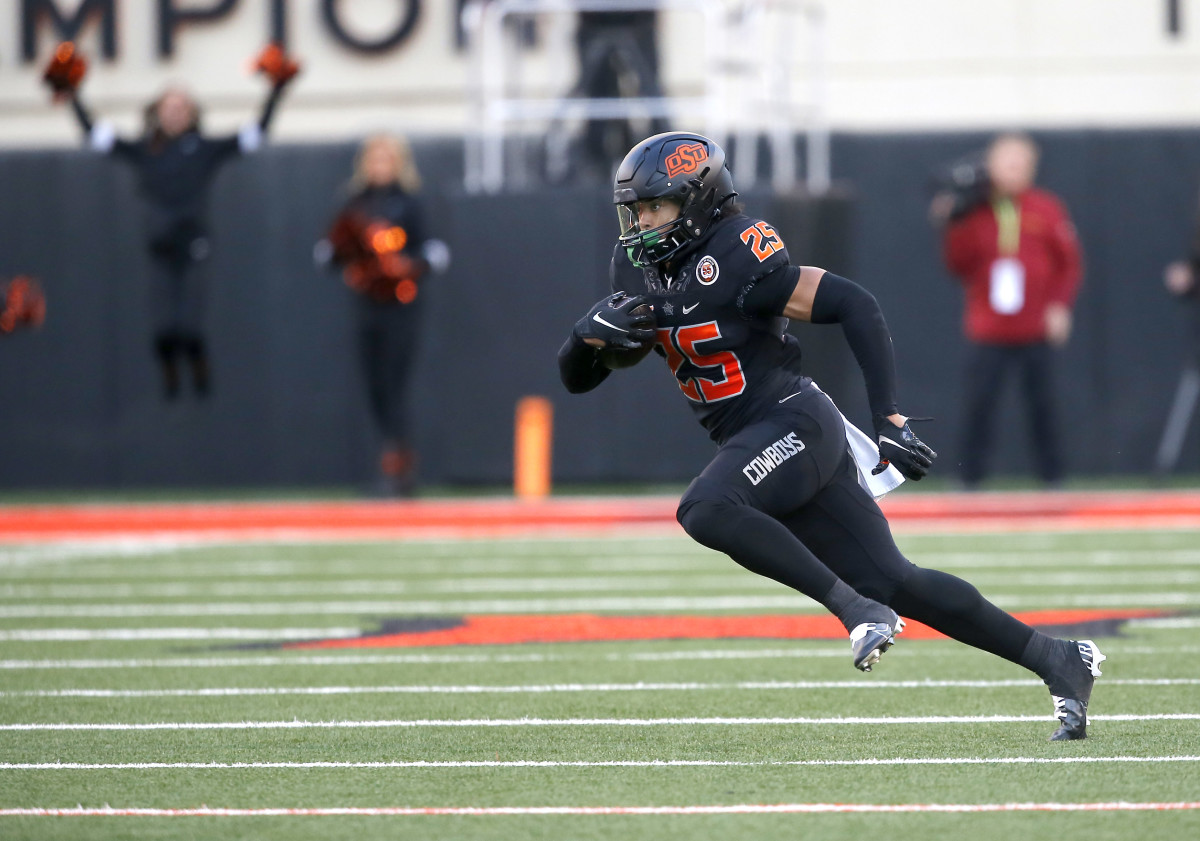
[(752, 54)]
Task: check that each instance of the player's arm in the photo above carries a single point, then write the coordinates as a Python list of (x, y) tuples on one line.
[(821, 297), (579, 365), (618, 321), (825, 298), (808, 293)]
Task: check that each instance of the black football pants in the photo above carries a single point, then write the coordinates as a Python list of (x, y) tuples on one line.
[(782, 499)]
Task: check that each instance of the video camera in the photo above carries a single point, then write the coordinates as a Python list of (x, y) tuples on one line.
[(966, 179)]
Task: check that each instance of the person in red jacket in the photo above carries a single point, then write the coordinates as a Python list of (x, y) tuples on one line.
[(1016, 254)]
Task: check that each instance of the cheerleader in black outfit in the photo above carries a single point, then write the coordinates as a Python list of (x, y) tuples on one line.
[(175, 165), (379, 241)]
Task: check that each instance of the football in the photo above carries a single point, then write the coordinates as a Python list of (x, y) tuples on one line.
[(615, 358)]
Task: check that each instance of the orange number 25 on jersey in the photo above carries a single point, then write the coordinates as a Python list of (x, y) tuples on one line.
[(762, 239)]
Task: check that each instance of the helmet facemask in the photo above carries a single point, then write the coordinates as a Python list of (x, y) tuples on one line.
[(700, 208), (650, 247)]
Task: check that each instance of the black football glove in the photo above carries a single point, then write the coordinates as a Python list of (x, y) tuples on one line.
[(614, 322), (898, 446)]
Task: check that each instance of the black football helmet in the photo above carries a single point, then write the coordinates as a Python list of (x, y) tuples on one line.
[(687, 168)]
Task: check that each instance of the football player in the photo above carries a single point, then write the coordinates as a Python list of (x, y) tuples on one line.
[(790, 493)]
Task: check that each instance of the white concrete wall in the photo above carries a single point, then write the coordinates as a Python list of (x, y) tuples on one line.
[(957, 63), (893, 65)]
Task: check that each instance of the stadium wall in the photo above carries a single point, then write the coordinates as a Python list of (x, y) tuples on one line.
[(80, 397), (917, 65)]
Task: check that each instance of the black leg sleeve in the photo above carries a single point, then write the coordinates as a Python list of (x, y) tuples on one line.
[(758, 542), (848, 532), (954, 607)]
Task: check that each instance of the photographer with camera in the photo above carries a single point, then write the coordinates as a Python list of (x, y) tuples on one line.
[(1013, 248)]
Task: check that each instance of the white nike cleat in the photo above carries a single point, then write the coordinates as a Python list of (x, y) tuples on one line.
[(870, 639)]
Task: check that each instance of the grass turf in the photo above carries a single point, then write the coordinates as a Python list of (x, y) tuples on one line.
[(149, 587)]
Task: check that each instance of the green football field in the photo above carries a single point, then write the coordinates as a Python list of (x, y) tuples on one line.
[(160, 676)]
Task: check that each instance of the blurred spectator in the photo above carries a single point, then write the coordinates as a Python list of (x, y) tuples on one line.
[(618, 57), (378, 238), (1180, 281), (175, 165), (1015, 252)]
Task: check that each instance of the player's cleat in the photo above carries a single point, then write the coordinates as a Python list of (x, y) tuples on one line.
[(1072, 689), (870, 639)]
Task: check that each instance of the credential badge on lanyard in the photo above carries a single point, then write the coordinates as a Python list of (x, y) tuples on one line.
[(1006, 287)]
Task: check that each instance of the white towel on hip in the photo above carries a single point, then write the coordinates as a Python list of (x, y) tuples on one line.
[(866, 456), (865, 452)]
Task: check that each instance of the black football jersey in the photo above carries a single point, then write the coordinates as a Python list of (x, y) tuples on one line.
[(730, 364)]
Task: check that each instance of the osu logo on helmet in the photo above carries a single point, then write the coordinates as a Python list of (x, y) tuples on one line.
[(687, 157)]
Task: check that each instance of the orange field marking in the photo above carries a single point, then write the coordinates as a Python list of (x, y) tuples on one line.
[(377, 520), (591, 627)]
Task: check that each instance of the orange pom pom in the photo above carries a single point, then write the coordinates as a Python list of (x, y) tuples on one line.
[(65, 70), (276, 65)]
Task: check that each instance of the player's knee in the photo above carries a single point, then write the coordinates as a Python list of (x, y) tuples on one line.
[(704, 514), (694, 514)]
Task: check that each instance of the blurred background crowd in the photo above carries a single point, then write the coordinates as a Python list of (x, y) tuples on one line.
[(315, 244)]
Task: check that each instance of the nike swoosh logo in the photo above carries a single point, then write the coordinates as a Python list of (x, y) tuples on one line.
[(597, 317), (687, 310), (790, 396)]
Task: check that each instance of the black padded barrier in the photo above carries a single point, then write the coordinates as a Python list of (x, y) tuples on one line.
[(79, 398)]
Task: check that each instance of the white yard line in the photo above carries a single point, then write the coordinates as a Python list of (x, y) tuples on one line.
[(1047, 560), (143, 634), (734, 580), (298, 724), (404, 607), (341, 660), (497, 811), (691, 561), (615, 763), (413, 659), (1166, 623), (569, 605), (555, 688), (451, 584), (141, 545), (223, 569), (666, 553)]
